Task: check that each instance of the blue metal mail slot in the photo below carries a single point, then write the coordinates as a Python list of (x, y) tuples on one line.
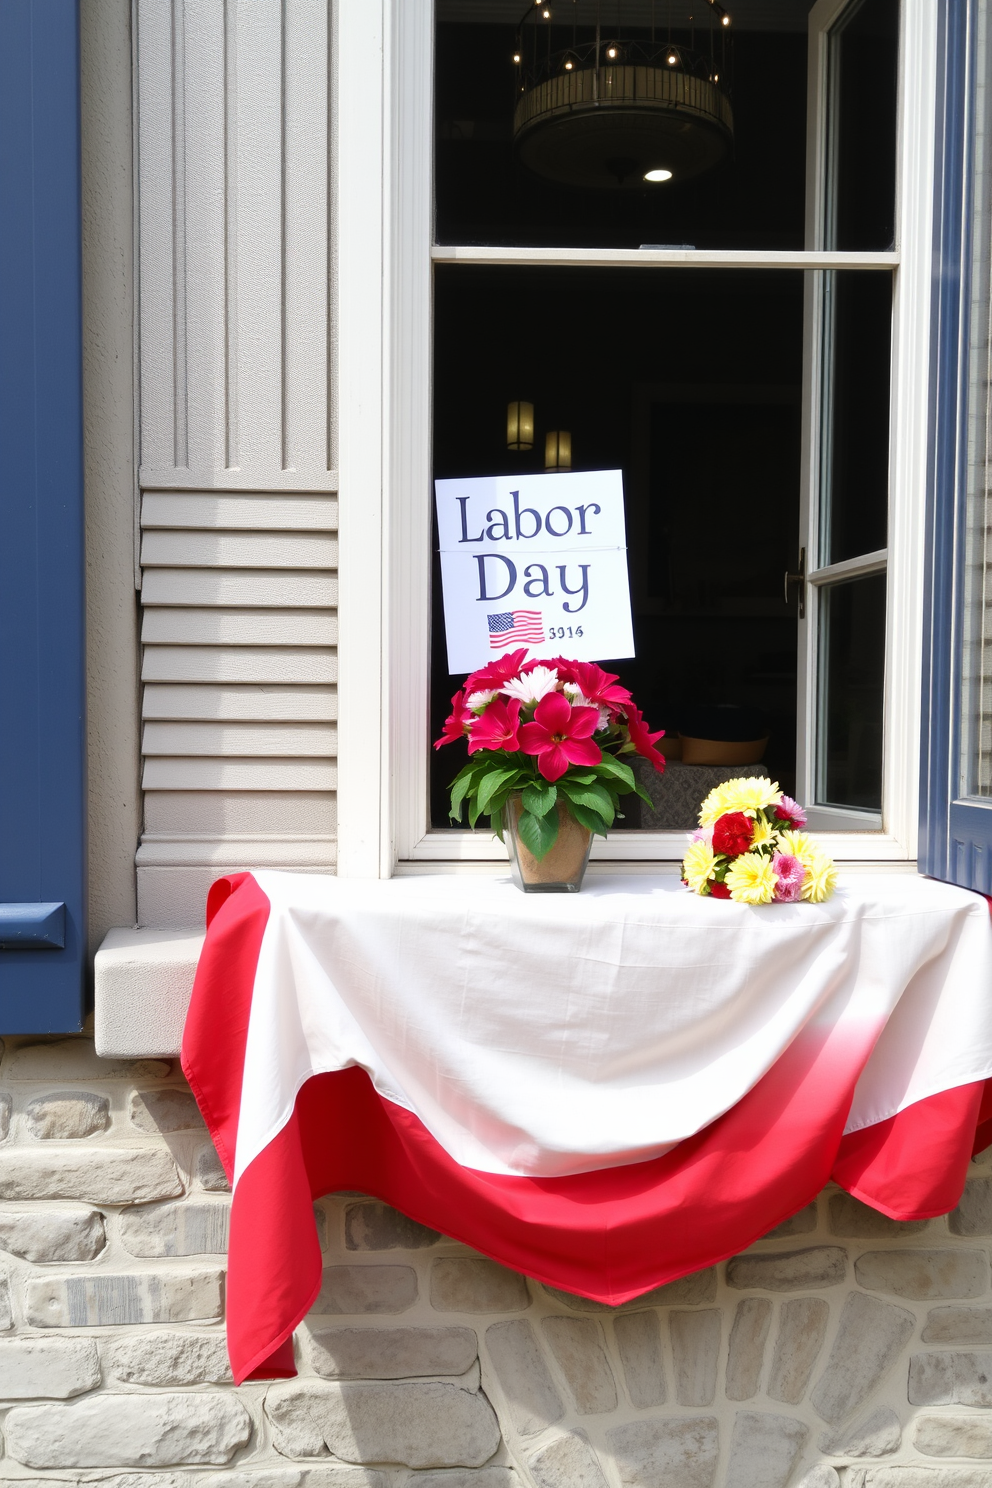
[(25, 927)]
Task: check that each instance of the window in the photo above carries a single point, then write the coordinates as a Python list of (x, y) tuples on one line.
[(837, 279)]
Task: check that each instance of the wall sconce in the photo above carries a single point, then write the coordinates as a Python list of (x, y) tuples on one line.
[(558, 450), (520, 426)]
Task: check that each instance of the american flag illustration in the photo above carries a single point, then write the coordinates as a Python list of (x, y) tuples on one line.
[(515, 626)]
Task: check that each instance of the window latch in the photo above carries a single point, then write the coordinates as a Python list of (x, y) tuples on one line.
[(800, 580)]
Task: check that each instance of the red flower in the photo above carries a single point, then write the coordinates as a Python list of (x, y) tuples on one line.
[(495, 672), (597, 685), (454, 724), (642, 739), (561, 736), (497, 727), (719, 890), (732, 833)]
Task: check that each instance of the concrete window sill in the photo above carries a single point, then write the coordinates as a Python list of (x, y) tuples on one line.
[(143, 980)]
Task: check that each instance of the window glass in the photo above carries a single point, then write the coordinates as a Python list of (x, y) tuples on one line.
[(861, 148), (851, 663)]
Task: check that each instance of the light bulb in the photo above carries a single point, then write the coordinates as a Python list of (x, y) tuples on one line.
[(658, 175), (516, 56), (546, 14), (568, 66), (726, 20), (672, 60), (611, 52)]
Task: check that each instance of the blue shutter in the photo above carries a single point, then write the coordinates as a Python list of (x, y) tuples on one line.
[(42, 761)]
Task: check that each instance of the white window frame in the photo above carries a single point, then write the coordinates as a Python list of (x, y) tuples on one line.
[(384, 162)]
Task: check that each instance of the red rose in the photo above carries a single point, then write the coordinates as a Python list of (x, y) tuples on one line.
[(732, 834), (719, 891)]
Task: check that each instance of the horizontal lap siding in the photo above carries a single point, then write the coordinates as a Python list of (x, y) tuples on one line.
[(238, 544)]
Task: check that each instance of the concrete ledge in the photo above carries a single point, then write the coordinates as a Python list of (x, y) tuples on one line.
[(143, 981)]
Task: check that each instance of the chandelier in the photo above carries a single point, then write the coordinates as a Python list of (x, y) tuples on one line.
[(624, 110)]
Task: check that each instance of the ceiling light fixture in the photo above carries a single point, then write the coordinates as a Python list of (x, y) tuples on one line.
[(658, 175)]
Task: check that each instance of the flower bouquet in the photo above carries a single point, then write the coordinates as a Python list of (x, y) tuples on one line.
[(750, 846), (544, 740)]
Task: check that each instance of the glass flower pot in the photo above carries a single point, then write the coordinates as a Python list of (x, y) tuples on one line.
[(563, 866)]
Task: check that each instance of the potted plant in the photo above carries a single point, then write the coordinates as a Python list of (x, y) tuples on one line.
[(544, 742)]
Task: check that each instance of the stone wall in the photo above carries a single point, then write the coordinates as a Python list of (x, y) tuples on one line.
[(842, 1349)]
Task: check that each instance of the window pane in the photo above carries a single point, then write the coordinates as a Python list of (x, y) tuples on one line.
[(861, 163), (534, 153), (851, 667), (854, 485), (976, 732)]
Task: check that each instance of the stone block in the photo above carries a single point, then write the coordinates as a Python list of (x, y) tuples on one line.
[(371, 1225), (531, 1397), (64, 1115), (699, 1286), (464, 1284), (452, 1477), (77, 1059), (856, 1221), (6, 1313), (125, 1175), (798, 1224), (577, 1344), (415, 1424), (363, 1289), (93, 1300), (958, 1325), (666, 1454), (391, 1353), (788, 1270), (696, 1349), (752, 1320), (973, 1216), (567, 1462), (869, 1339), (821, 1476), (953, 1436), (188, 1228), (5, 1107), (165, 1111), (638, 1336), (920, 1274), (802, 1327), (951, 1378), (875, 1436), (764, 1449), (168, 1359), (210, 1170), (108, 1430), (53, 1234), (917, 1477), (54, 1367)]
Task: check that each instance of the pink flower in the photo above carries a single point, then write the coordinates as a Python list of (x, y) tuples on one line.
[(455, 723), (790, 873), (642, 739), (598, 687), (496, 672), (702, 834), (560, 736), (790, 812), (497, 727)]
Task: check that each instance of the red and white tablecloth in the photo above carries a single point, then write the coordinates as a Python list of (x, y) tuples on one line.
[(605, 1090)]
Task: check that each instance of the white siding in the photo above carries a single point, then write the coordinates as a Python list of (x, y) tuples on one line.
[(238, 548)]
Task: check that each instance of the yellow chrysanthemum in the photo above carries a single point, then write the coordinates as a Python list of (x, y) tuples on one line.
[(751, 879), (745, 794), (763, 833), (821, 877), (697, 865), (799, 844)]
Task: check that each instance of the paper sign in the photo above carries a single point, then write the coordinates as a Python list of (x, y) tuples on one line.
[(537, 561)]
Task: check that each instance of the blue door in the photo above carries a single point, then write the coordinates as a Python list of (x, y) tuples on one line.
[(42, 760)]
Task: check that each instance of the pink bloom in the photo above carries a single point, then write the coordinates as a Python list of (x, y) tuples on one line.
[(455, 723), (496, 672), (642, 739), (790, 873), (702, 834), (598, 687), (791, 812), (560, 736), (497, 727)]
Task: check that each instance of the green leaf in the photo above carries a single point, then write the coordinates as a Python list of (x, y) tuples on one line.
[(590, 819), (593, 797), (587, 777), (539, 798), (616, 770), (491, 784), (640, 791), (538, 833), (460, 787)]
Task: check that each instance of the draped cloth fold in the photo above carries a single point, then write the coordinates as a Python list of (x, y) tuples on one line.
[(605, 1093)]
